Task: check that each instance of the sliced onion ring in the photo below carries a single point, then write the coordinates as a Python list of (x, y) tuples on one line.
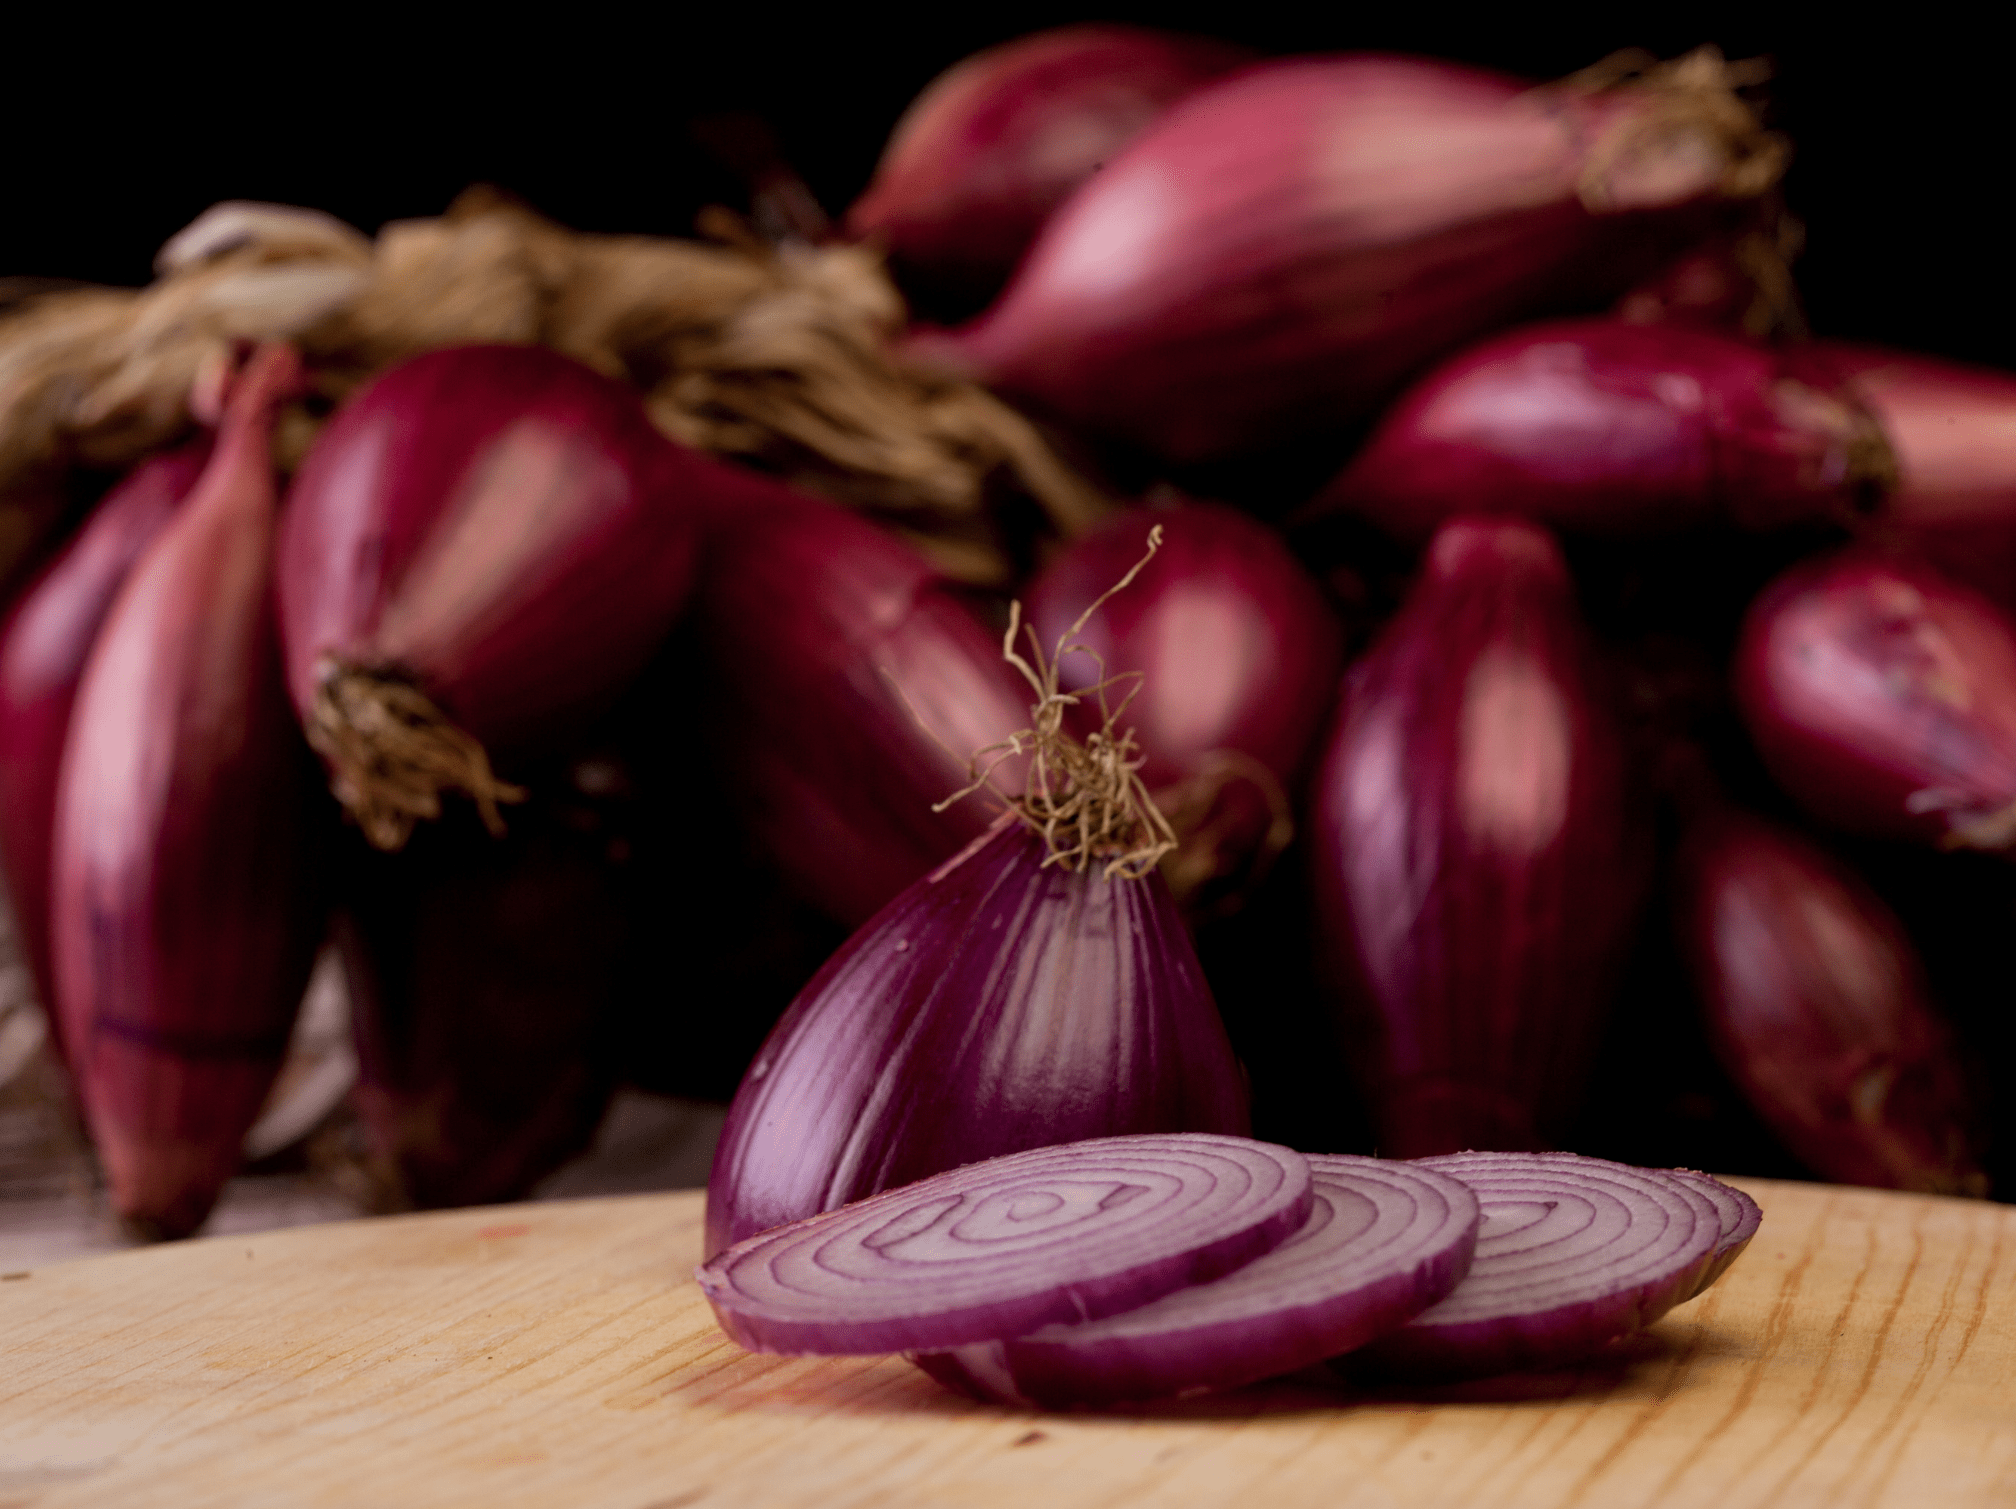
[(1574, 1252), (1002, 1247), (1384, 1241), (1739, 1215)]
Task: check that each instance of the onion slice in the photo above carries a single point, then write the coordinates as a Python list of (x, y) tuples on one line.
[(1003, 1247), (1574, 1252), (1740, 1217), (1384, 1241)]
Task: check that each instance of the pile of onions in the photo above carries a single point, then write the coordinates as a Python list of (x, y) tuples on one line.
[(1228, 657), (1883, 697), (1817, 1004), (994, 144), (1276, 253), (1475, 857), (1125, 1269), (44, 645), (186, 901)]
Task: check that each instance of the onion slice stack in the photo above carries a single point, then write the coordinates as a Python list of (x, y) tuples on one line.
[(1384, 1241), (1574, 1253), (1004, 1247)]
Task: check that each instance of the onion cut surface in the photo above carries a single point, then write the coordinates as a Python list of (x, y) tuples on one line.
[(1573, 1253), (1004, 1247), (1384, 1241)]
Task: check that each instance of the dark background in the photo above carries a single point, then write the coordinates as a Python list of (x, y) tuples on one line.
[(121, 131)]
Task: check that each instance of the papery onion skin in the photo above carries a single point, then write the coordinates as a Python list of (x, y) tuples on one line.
[(997, 1004), (485, 979), (1176, 1210), (1740, 1215), (498, 525), (1275, 254), (1234, 657), (1817, 1005), (1385, 1241), (1612, 1248), (1609, 427), (1883, 697), (846, 690), (44, 645), (1476, 858), (187, 901), (996, 142)]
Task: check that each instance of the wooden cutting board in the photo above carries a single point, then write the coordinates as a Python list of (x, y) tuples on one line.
[(1863, 1352)]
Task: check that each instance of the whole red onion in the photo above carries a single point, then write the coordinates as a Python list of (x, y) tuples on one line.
[(998, 1004), (485, 979), (484, 546), (186, 896), (847, 689), (1237, 657), (1817, 1005), (1476, 862), (1883, 697), (43, 648), (996, 142), (1276, 253), (1602, 425)]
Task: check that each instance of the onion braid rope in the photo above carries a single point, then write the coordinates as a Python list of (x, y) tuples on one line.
[(1086, 799)]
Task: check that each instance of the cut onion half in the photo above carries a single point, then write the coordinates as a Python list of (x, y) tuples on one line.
[(1574, 1252), (1740, 1216), (1003, 1247), (1384, 1241)]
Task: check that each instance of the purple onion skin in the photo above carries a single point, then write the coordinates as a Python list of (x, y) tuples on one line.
[(1477, 863), (847, 689), (994, 144), (43, 648), (996, 1005), (1276, 254), (1607, 427), (486, 977), (1817, 1005), (1951, 429), (1235, 647), (1883, 697), (187, 895), (501, 524)]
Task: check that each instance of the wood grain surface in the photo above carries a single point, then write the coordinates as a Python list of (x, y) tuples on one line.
[(1863, 1352)]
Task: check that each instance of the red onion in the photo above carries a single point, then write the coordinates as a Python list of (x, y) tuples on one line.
[(1738, 1213), (1573, 1253), (847, 687), (1818, 1007), (1883, 697), (485, 980), (43, 647), (1476, 861), (1273, 255), (485, 544), (995, 143), (1237, 656), (1000, 1003), (184, 902), (1611, 427), (1002, 1247), (1384, 1241), (1951, 433)]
